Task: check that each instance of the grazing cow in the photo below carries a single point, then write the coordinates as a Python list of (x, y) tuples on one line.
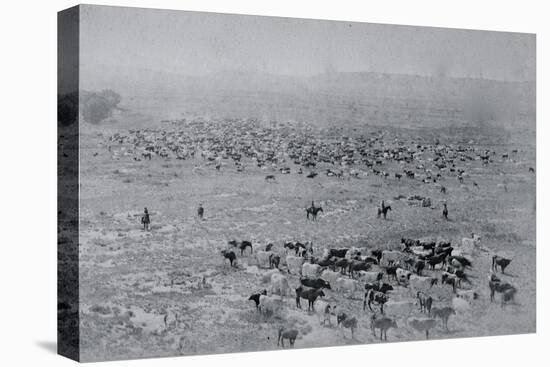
[(371, 276), (270, 178), (398, 176), (356, 265), (270, 304), (268, 247), (500, 261), (279, 284), (311, 270), (372, 296), (315, 283), (229, 255), (531, 169), (347, 322), (346, 285), (422, 325), (294, 264), (290, 334), (310, 294), (443, 313), (274, 261), (384, 324), (424, 301), (256, 298), (330, 276)]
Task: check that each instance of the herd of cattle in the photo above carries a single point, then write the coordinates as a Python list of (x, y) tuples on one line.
[(417, 285), (293, 148), (421, 281)]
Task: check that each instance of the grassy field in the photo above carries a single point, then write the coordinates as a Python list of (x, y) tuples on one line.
[(130, 279)]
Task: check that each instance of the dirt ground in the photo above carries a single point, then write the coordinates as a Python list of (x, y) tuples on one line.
[(169, 292)]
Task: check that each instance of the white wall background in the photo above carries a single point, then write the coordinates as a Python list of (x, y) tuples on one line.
[(28, 180)]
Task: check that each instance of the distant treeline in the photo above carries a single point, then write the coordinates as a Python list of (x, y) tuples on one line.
[(94, 107)]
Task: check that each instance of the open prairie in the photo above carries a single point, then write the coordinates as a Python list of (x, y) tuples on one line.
[(170, 291)]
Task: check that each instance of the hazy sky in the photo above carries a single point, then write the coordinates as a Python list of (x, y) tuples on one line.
[(201, 43)]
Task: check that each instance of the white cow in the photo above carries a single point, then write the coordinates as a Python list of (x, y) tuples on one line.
[(279, 284), (419, 283), (370, 276), (346, 285), (262, 257), (330, 276), (311, 270), (294, 264), (266, 277)]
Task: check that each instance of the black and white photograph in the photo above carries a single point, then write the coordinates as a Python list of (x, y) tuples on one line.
[(274, 183), (254, 183)]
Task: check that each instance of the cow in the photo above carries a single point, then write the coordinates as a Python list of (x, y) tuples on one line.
[(372, 296), (384, 324), (310, 294), (311, 270), (290, 334), (500, 261), (347, 322), (229, 255), (443, 313), (279, 284), (422, 325), (256, 298), (315, 283), (356, 265), (294, 264), (425, 301), (346, 285), (330, 276)]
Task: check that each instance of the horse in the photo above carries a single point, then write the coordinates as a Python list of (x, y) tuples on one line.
[(383, 211), (313, 211)]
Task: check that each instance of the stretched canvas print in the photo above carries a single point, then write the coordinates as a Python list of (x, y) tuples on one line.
[(234, 183)]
